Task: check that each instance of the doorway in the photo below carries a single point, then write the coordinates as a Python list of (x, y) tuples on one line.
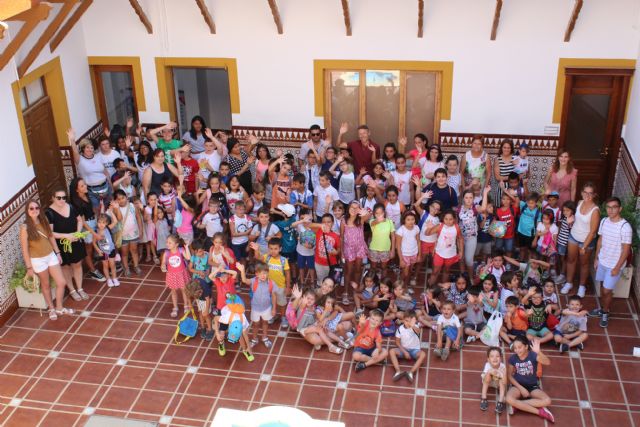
[(116, 94), (202, 92), (41, 136), (592, 117)]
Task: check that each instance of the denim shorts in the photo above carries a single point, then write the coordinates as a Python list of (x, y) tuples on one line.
[(99, 192), (365, 351), (239, 251), (542, 332), (591, 246), (505, 244), (562, 250), (306, 261), (413, 353)]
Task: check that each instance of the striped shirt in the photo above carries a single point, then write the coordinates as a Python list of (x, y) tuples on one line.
[(563, 234), (613, 235)]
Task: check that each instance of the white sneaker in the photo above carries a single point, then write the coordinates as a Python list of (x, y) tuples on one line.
[(581, 291), (110, 283), (566, 288), (559, 279), (470, 339), (116, 282)]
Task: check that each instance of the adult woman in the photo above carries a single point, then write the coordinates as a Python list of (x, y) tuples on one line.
[(239, 163), (562, 178), (582, 239), (433, 162), (262, 162), (91, 169), (503, 165), (476, 164), (158, 171), (66, 220), (525, 394), (42, 257), (195, 136), (144, 158), (80, 200)]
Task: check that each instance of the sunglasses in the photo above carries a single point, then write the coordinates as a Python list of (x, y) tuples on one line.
[(34, 208), (60, 197), (314, 134)]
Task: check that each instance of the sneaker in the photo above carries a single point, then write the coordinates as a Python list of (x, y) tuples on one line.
[(409, 376), (484, 404), (116, 282), (564, 348), (470, 339), (560, 278), (582, 290), (359, 312), (156, 260), (398, 375), (317, 347), (412, 282), (510, 410), (96, 275), (596, 312), (203, 333), (253, 343), (604, 320), (221, 349), (137, 270), (445, 354), (83, 294), (580, 346), (248, 355), (110, 283), (500, 407), (566, 288), (273, 319), (360, 366), (127, 273), (344, 344), (267, 342), (437, 352), (411, 291), (546, 414), (209, 336), (284, 323)]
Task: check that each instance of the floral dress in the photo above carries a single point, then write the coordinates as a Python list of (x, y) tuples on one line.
[(354, 246)]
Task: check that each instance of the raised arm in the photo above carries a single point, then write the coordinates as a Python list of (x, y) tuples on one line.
[(75, 153)]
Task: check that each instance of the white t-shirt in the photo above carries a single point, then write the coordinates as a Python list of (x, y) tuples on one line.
[(346, 187), (213, 159), (409, 339), (107, 160), (306, 241), (403, 182), (553, 229), (502, 369), (504, 294), (225, 316), (320, 194), (452, 321), (428, 223), (242, 225), (92, 170), (613, 235), (394, 213), (446, 243), (409, 245), (212, 223)]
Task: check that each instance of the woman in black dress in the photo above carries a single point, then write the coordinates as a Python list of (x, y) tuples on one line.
[(66, 220), (239, 164)]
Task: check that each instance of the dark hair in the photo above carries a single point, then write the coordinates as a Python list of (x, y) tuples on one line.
[(504, 142), (299, 178), (556, 163), (613, 199), (440, 155), (197, 244), (513, 176), (376, 313), (570, 204), (393, 189), (151, 193), (119, 193), (192, 131), (497, 253), (157, 152), (276, 241), (225, 164), (436, 291), (411, 313), (73, 192), (325, 174), (357, 220), (450, 212), (400, 156), (392, 145), (117, 162), (474, 290), (522, 339), (549, 213), (408, 214), (232, 142), (305, 211), (422, 137), (440, 171), (263, 210), (452, 157), (363, 127), (314, 127), (492, 279), (506, 277), (533, 197), (327, 215), (260, 146), (512, 300), (575, 298), (144, 159), (494, 348)]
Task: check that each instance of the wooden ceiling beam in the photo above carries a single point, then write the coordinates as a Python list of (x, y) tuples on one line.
[(71, 22), (14, 7), (347, 16), (572, 21), (276, 15), (204, 10), (3, 28), (143, 16), (31, 18), (496, 20), (420, 18), (48, 33)]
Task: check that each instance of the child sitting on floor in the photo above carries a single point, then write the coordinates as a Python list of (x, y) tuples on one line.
[(572, 330), (494, 375), (515, 321), (474, 320), (449, 331), (368, 349)]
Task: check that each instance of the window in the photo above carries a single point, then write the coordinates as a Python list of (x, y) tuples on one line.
[(31, 93), (390, 102), (116, 94)]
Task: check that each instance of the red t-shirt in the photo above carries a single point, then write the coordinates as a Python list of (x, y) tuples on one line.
[(505, 215), (224, 288), (368, 338), (190, 168), (333, 241), (362, 155)]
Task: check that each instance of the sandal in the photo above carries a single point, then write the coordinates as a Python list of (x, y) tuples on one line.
[(64, 311), (335, 350), (52, 314), (344, 344), (83, 294), (253, 342), (75, 295), (174, 312), (267, 342)]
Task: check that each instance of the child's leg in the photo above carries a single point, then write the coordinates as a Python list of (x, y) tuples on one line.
[(254, 330), (393, 356), (357, 299), (360, 357), (185, 299), (439, 338), (112, 268), (265, 326), (206, 315), (419, 361), (378, 356), (503, 334), (174, 298), (502, 389), (445, 273), (447, 343), (546, 337), (105, 268), (486, 381), (124, 253), (134, 253), (471, 332), (579, 339), (434, 274)]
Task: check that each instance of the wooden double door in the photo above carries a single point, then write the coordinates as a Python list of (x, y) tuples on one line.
[(592, 117)]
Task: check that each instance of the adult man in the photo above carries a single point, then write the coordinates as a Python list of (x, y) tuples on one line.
[(316, 142), (611, 255), (365, 152)]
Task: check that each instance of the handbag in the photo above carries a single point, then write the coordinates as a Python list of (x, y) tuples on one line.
[(491, 333), (335, 271), (187, 326)]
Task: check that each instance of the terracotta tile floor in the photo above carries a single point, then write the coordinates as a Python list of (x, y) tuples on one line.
[(115, 357)]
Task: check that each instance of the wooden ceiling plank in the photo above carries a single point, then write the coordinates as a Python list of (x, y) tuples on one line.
[(347, 16), (572, 21), (48, 33), (71, 22), (496, 20), (204, 10), (31, 18), (143, 16), (420, 18), (276, 15)]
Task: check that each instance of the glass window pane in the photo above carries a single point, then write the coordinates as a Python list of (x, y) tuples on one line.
[(421, 106), (345, 103), (587, 125), (383, 105), (118, 94), (23, 99), (35, 91)]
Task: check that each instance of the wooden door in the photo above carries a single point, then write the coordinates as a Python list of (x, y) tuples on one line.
[(45, 151), (592, 119), (115, 90)]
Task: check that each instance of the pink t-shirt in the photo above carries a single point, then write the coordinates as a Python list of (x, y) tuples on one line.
[(175, 261), (186, 226)]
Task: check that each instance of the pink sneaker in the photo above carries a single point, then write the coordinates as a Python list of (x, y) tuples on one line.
[(546, 414)]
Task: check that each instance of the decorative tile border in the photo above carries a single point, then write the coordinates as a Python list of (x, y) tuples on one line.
[(627, 180)]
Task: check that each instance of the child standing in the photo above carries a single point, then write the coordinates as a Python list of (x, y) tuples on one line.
[(234, 194), (468, 221), (529, 217), (162, 229), (408, 246), (449, 246), (394, 207), (212, 222), (106, 249), (150, 227), (429, 219), (354, 247), (199, 268), (305, 248), (195, 291), (232, 314), (324, 196), (507, 214), (494, 375), (368, 349), (284, 218), (546, 237), (224, 279), (301, 197), (262, 232), (187, 209), (131, 221), (346, 179), (382, 245), (279, 273), (240, 228), (566, 222), (167, 199), (449, 331), (175, 265), (402, 179), (408, 347), (263, 302)]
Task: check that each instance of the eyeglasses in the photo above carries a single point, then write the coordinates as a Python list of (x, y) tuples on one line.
[(34, 208), (60, 197), (314, 134), (588, 193), (613, 207), (344, 149)]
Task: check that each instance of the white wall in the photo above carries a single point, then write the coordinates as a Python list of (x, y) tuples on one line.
[(506, 86), (632, 128)]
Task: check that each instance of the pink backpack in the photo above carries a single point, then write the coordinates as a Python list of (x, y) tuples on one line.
[(292, 317)]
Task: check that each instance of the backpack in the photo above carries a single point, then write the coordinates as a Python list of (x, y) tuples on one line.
[(388, 328), (187, 327), (266, 234), (292, 317), (254, 286)]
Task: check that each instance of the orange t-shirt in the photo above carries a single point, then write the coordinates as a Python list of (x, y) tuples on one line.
[(519, 320), (367, 337)]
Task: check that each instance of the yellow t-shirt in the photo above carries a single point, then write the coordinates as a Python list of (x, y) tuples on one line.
[(277, 270)]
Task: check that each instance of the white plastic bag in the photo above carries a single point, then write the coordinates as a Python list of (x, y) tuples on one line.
[(490, 335)]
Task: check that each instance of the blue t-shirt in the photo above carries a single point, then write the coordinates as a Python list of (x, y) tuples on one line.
[(446, 196), (528, 219), (525, 371), (483, 231), (289, 239), (261, 298), (201, 264)]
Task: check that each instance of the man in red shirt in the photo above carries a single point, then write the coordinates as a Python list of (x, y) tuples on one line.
[(365, 152)]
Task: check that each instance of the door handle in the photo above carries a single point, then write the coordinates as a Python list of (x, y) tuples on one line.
[(604, 152)]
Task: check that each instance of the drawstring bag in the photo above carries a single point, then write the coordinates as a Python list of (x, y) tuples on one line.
[(187, 327)]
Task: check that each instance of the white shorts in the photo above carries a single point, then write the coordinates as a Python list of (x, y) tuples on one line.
[(41, 264), (281, 299), (603, 274), (202, 305), (264, 315)]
